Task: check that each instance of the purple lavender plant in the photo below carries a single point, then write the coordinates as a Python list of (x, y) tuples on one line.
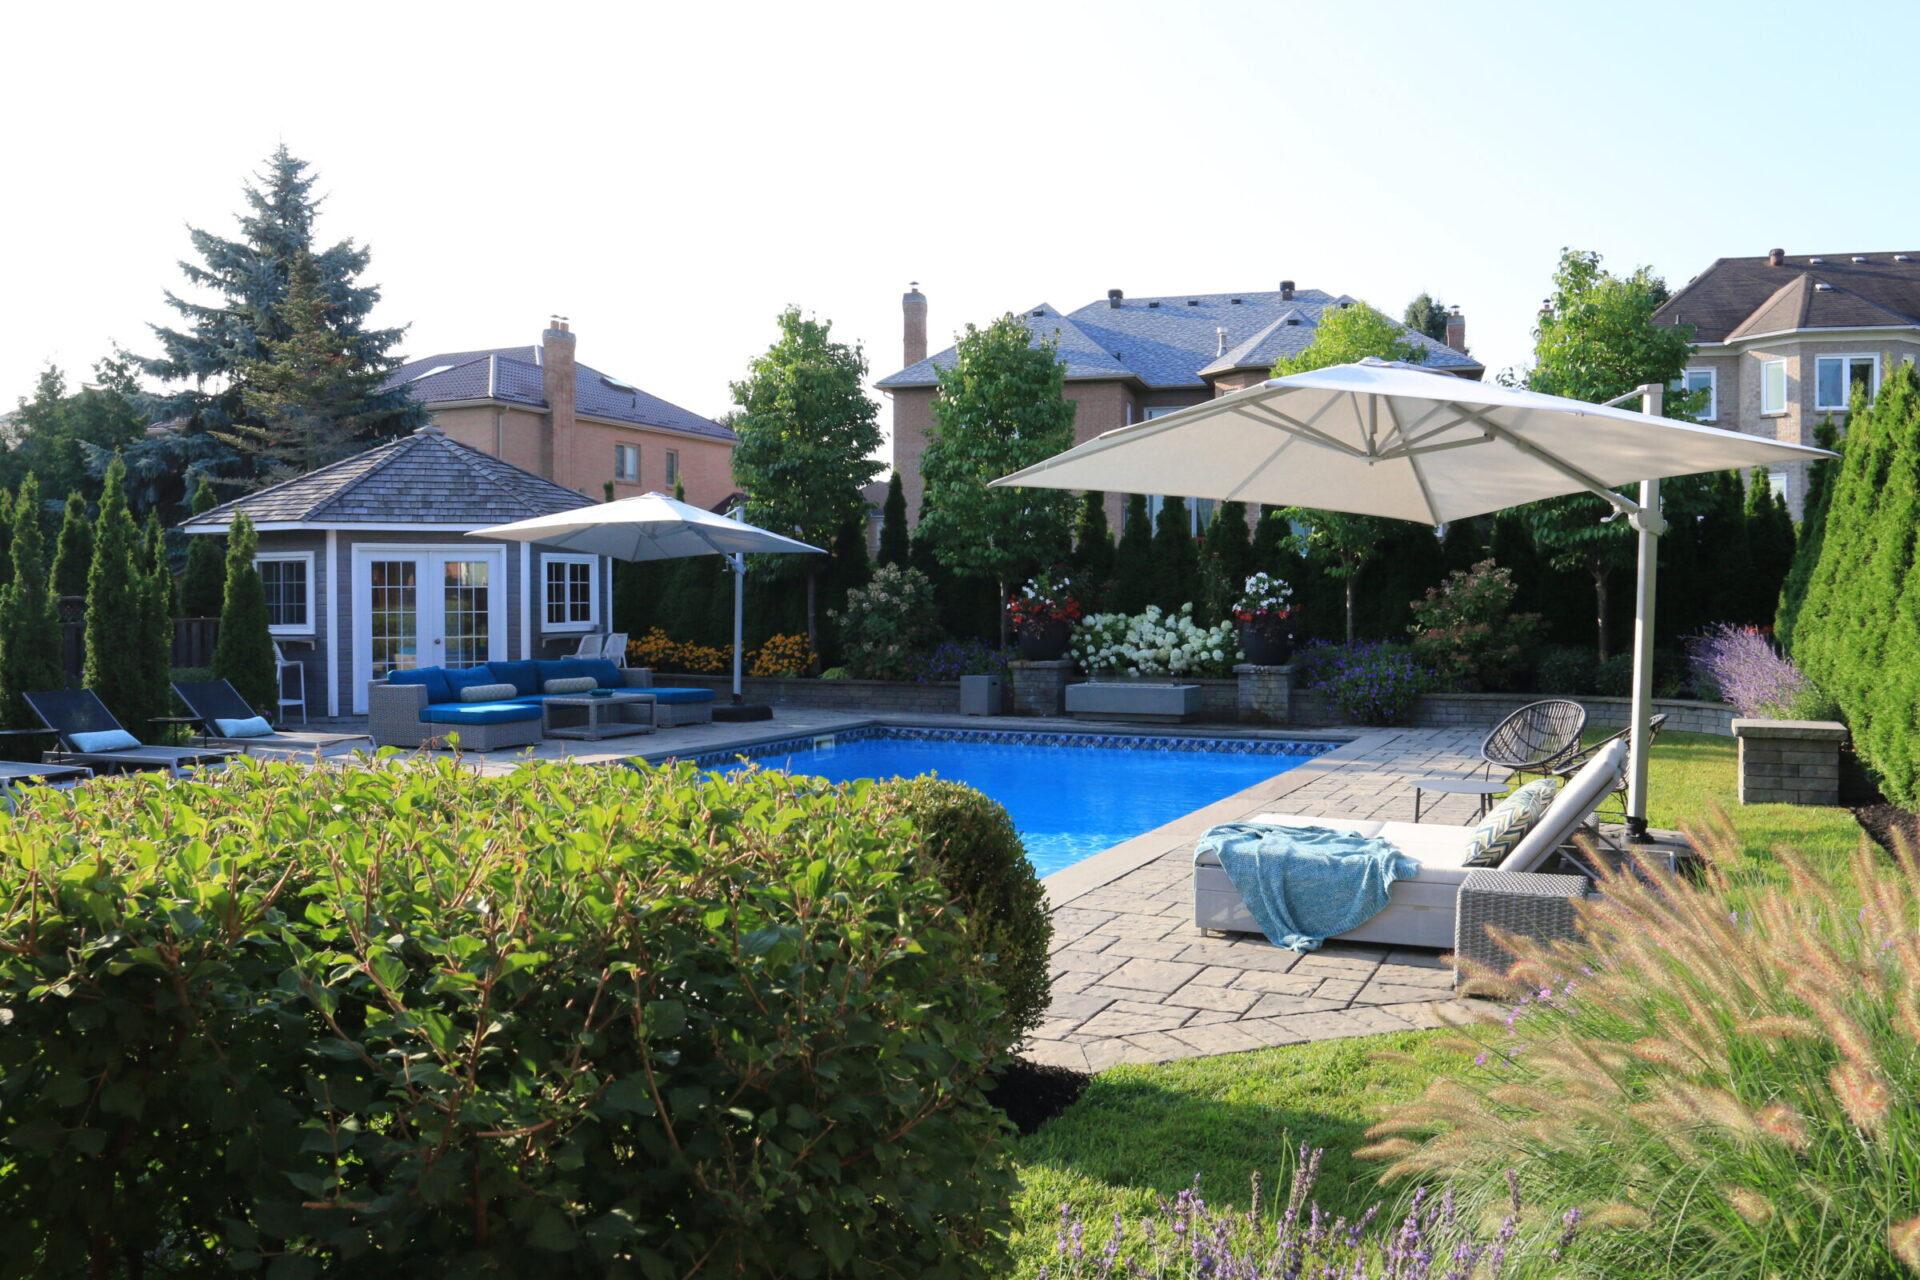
[(951, 659), (1759, 680)]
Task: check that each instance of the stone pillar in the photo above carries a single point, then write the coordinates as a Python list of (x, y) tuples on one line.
[(1039, 688), (1789, 761), (1266, 693)]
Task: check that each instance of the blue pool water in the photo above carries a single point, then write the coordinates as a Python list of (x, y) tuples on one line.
[(1070, 795)]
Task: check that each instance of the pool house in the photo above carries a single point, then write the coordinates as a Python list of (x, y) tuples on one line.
[(368, 568)]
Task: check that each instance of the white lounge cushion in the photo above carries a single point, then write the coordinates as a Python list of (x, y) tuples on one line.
[(1575, 803)]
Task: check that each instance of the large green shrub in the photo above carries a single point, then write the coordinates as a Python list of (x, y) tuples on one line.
[(567, 1022), (887, 624), (1466, 631), (1722, 1079), (972, 847)]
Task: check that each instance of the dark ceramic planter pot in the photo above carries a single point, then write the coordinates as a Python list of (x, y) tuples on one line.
[(1045, 643), (1264, 649)]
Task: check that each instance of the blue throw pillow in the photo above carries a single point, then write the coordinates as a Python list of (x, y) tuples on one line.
[(251, 727), (468, 678), (438, 690), (604, 673), (521, 675), (104, 740)]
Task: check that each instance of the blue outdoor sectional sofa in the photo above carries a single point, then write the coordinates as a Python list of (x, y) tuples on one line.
[(497, 704)]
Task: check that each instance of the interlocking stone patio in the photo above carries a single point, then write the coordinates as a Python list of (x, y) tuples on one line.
[(1135, 981)]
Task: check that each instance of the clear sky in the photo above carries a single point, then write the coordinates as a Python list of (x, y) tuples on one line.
[(671, 176)]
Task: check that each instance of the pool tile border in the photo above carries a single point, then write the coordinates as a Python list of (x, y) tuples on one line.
[(1023, 738)]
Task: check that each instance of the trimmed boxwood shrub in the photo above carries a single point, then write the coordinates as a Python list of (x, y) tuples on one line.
[(567, 1022), (971, 845), (1566, 669)]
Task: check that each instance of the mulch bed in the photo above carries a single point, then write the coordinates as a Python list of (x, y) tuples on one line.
[(1031, 1094), (1882, 822)]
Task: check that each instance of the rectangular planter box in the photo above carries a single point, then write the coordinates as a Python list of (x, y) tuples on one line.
[(979, 695), (1147, 703), (1789, 761)]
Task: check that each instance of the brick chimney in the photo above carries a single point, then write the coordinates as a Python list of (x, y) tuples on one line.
[(1776, 257), (913, 307), (1457, 331), (556, 380)]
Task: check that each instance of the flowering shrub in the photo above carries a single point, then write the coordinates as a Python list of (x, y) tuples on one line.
[(951, 659), (1466, 632), (1370, 683), (662, 653), (888, 623), (1724, 1073), (1266, 605), (1755, 677), (1190, 1239), (781, 656), (1154, 643), (1043, 600)]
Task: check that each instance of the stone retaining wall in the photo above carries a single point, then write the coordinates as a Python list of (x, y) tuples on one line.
[(830, 695)]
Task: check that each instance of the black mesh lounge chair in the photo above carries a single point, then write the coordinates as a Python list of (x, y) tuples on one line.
[(210, 701), (71, 711), (1538, 738)]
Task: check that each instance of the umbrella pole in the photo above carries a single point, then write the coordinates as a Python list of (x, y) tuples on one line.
[(1650, 525), (738, 563)]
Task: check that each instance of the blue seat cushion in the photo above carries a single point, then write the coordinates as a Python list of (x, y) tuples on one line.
[(521, 675), (604, 673), (469, 677), (479, 713), (438, 690), (679, 695)]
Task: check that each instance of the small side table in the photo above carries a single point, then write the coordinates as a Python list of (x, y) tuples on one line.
[(1485, 788), (611, 715), (1524, 903)]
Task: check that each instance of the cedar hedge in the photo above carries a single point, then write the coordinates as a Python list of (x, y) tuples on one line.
[(567, 1022)]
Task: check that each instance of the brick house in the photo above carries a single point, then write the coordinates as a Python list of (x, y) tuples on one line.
[(537, 408), (1781, 342), (1129, 359)]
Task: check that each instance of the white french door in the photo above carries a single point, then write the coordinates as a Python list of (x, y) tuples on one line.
[(426, 607)]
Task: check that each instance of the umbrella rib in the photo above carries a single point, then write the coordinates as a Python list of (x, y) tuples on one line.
[(1413, 465), (1286, 442), (1626, 506), (1302, 431)]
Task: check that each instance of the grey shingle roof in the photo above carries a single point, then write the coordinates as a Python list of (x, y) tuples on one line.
[(1173, 341), (421, 479), (1738, 297), (512, 375)]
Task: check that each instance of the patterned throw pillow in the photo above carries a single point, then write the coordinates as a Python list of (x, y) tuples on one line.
[(1502, 830), (489, 692), (571, 684)]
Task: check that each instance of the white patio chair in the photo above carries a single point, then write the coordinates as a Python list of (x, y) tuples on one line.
[(615, 649)]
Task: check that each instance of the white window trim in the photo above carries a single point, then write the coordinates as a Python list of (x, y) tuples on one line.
[(306, 558), (1713, 391), (619, 452), (548, 627), (1872, 390), (1767, 410), (673, 467)]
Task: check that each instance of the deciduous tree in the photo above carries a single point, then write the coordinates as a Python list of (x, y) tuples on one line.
[(55, 431)]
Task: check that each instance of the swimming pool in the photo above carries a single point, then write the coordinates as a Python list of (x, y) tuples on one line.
[(1070, 794)]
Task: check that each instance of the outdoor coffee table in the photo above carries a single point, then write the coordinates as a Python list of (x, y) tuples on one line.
[(1485, 788), (611, 715)]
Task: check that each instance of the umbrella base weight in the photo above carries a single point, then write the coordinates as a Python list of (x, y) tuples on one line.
[(746, 711)]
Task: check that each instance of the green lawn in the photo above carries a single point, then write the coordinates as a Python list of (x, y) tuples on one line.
[(1141, 1133)]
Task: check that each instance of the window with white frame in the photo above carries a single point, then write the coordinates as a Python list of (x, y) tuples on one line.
[(570, 591), (1706, 380), (1777, 481), (1773, 386), (288, 580), (626, 463), (673, 467), (1835, 377), (1199, 513)]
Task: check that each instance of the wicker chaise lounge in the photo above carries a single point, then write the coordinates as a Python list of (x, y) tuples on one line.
[(1421, 912)]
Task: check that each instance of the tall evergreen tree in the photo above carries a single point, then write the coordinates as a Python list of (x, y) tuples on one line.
[(55, 430), (895, 547), (116, 667), (1812, 535), (154, 582), (1770, 545), (1426, 314), (243, 655), (1093, 542), (205, 360), (1133, 561), (807, 437), (1176, 561), (6, 533), (1227, 560), (30, 637), (204, 584), (73, 552), (1002, 406), (848, 570)]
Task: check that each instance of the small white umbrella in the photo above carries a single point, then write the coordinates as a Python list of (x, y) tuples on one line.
[(654, 527), (1383, 439)]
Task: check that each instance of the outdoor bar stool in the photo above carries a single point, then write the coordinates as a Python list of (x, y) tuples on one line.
[(281, 665)]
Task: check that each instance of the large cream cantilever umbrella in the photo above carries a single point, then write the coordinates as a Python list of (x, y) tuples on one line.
[(1383, 439), (655, 527)]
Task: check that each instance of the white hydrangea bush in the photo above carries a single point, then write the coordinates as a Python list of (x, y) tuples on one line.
[(1154, 643)]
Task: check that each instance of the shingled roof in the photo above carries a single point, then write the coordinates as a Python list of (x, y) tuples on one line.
[(420, 479), (1175, 341), (512, 375), (1742, 297)]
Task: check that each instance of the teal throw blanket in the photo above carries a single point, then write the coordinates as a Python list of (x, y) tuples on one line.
[(1305, 884)]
